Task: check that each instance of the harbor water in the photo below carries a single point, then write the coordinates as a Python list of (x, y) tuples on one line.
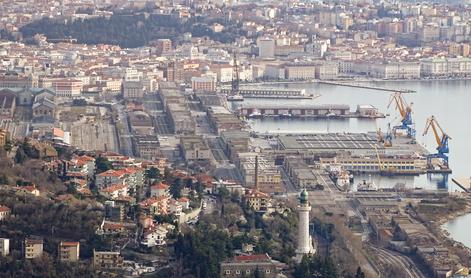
[(448, 101), (458, 229)]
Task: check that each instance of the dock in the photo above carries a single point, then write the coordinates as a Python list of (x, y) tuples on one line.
[(405, 91), (308, 111), (264, 92)]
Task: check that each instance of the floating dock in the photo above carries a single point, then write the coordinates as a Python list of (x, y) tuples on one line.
[(405, 91)]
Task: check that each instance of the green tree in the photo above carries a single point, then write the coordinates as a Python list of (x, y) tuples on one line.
[(4, 179), (102, 164), (8, 146), (20, 156), (360, 273), (176, 188), (314, 266), (153, 173)]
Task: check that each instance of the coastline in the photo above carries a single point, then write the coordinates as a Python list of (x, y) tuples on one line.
[(362, 80), (440, 224)]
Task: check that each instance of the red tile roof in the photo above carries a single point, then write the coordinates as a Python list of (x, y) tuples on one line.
[(252, 258), (160, 185), (4, 208)]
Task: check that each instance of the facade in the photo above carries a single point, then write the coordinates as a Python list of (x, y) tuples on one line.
[(148, 146), (33, 248), (7, 104), (3, 137), (107, 259), (132, 89), (399, 70), (446, 66), (4, 212), (195, 148), (164, 46), (300, 71), (266, 48), (4, 247), (203, 83), (67, 87), (18, 81), (159, 190), (154, 236), (69, 251), (248, 266), (258, 201)]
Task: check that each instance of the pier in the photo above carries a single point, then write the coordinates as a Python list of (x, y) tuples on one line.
[(405, 91), (260, 92), (309, 111)]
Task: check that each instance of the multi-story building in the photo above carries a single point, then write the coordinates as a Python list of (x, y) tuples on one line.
[(195, 148), (69, 251), (132, 89), (327, 71), (258, 201), (3, 137), (300, 71), (4, 212), (163, 46), (33, 248), (266, 48), (4, 247), (107, 259), (18, 81), (445, 66), (203, 83), (249, 265), (67, 87), (7, 104)]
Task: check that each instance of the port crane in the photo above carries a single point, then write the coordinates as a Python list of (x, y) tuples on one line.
[(385, 139), (442, 141), (406, 114)]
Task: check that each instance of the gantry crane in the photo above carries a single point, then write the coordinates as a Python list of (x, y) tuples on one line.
[(442, 141), (406, 114)]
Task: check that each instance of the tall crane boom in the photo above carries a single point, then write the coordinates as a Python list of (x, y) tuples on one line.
[(440, 137), (405, 110)]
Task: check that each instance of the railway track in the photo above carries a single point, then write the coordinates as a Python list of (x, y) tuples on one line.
[(394, 258)]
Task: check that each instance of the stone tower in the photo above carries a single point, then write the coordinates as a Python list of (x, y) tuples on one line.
[(305, 245)]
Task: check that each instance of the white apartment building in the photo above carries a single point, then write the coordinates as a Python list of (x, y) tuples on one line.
[(400, 70), (266, 48), (445, 66), (4, 247)]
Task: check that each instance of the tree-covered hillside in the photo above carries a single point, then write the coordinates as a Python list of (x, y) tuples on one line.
[(126, 30)]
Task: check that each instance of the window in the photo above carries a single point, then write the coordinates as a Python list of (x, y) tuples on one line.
[(267, 271), (237, 271), (247, 271), (228, 272)]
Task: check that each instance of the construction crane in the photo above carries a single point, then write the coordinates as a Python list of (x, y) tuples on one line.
[(406, 114), (442, 141)]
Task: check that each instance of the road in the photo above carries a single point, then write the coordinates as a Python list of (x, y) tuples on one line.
[(124, 133), (386, 256)]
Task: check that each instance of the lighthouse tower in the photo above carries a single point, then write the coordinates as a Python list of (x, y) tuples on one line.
[(304, 239)]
